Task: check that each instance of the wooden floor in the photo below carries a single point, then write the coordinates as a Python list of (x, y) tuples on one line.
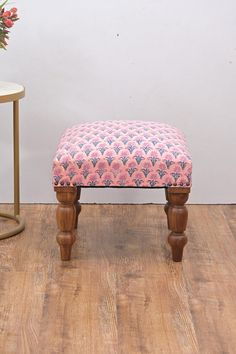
[(121, 293)]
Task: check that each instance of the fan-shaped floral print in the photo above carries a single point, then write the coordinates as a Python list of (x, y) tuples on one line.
[(122, 154)]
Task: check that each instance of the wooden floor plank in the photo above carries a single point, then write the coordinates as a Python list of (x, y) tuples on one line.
[(120, 293), (211, 280)]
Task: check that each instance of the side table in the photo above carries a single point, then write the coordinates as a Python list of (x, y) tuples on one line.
[(11, 92)]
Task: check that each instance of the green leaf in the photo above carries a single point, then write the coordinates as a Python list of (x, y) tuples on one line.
[(2, 46), (3, 4)]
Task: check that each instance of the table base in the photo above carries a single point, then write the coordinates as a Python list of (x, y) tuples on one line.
[(20, 227)]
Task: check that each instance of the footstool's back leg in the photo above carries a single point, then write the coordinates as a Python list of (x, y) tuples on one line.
[(177, 219), (77, 206), (166, 208), (66, 216)]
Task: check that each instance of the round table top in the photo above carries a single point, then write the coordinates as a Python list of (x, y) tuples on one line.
[(10, 91)]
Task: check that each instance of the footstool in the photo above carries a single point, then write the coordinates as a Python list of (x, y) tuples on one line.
[(122, 154)]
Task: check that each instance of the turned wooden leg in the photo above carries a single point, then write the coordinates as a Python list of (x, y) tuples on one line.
[(77, 206), (177, 215), (66, 215), (166, 207)]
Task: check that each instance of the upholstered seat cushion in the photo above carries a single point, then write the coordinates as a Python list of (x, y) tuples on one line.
[(122, 154)]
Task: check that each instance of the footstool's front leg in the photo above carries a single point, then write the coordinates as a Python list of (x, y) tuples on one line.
[(177, 219), (66, 216)]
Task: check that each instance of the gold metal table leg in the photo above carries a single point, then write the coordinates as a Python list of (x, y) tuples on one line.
[(16, 158), (21, 225)]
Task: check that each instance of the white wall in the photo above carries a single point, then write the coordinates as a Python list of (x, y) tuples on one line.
[(171, 61)]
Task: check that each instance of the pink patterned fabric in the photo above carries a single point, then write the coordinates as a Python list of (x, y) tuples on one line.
[(122, 154)]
